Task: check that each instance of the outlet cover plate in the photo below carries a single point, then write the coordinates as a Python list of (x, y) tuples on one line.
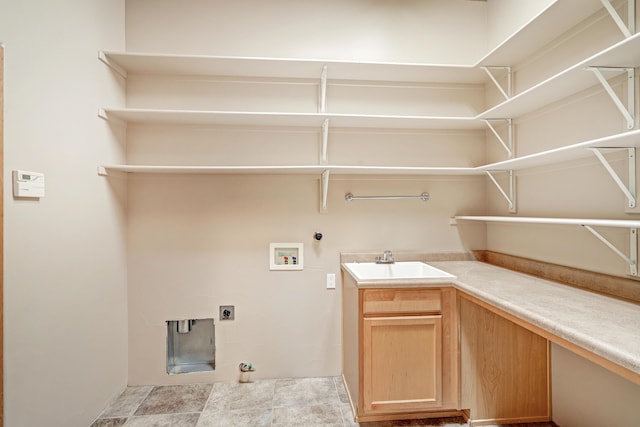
[(227, 312)]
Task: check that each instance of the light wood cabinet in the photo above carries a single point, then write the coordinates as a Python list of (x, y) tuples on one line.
[(504, 368), (401, 358), (400, 351)]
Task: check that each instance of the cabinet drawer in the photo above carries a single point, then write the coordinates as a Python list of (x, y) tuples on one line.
[(397, 301)]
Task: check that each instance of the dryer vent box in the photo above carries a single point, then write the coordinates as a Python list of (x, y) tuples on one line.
[(28, 184)]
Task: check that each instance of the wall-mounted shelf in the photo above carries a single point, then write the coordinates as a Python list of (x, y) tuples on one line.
[(619, 223), (568, 152), (569, 81), (588, 224), (622, 55), (296, 169), (540, 30), (549, 24), (290, 68), (258, 118)]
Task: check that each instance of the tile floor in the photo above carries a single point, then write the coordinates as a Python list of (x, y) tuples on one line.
[(303, 402)]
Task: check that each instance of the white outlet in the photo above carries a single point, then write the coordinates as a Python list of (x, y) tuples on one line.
[(331, 281)]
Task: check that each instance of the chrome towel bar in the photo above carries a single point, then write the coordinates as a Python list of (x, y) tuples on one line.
[(350, 197)]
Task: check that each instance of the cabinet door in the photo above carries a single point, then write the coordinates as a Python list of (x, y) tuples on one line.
[(505, 369), (401, 366)]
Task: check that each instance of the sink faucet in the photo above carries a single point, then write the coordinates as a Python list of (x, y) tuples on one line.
[(386, 258)]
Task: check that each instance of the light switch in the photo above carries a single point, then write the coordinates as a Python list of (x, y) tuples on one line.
[(331, 281)]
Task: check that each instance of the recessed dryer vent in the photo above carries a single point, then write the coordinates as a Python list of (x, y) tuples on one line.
[(191, 346)]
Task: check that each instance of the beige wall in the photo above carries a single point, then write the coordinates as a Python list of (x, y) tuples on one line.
[(199, 242), (186, 244), (65, 265), (399, 30), (588, 395), (505, 17), (583, 394), (579, 188)]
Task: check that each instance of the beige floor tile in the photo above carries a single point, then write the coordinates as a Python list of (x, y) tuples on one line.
[(236, 418), (175, 399), (163, 420)]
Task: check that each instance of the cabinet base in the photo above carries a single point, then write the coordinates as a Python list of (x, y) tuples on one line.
[(408, 416), (500, 421)]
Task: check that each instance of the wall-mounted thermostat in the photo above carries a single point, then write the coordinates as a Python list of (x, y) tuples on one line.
[(28, 184)]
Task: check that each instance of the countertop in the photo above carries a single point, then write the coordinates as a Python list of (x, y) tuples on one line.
[(605, 326)]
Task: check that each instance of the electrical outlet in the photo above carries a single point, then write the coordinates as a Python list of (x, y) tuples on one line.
[(227, 312)]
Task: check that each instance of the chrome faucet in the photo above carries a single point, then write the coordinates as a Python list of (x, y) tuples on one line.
[(386, 258)]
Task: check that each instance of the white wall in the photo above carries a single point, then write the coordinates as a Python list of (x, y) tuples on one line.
[(65, 323)]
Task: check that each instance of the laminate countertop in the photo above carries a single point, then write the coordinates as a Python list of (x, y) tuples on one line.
[(601, 325)]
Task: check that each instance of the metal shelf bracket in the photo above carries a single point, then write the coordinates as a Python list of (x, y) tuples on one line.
[(628, 189), (629, 28), (629, 111), (508, 145), (632, 259), (508, 92), (324, 190), (322, 96), (325, 142), (511, 197)]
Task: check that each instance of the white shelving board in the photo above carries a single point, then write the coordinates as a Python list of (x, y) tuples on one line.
[(541, 29), (145, 63), (197, 117), (568, 82), (559, 221), (557, 155), (299, 170), (567, 153)]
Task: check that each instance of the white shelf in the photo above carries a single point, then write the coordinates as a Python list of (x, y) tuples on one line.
[(550, 23), (240, 118), (558, 221), (567, 153), (298, 169), (145, 63), (568, 82), (557, 155)]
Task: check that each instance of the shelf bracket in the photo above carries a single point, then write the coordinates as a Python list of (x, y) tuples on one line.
[(628, 189), (506, 93), (324, 190), (629, 28), (511, 197), (105, 116), (629, 111), (322, 96), (111, 64), (632, 259), (508, 146), (325, 142)]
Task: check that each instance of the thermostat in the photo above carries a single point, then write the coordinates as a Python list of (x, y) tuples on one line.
[(28, 184)]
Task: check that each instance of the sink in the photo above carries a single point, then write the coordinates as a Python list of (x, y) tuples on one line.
[(409, 270)]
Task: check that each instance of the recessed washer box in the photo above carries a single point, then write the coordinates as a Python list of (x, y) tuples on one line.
[(28, 184)]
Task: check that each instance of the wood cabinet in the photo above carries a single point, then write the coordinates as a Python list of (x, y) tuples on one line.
[(400, 351), (504, 368), (401, 358)]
